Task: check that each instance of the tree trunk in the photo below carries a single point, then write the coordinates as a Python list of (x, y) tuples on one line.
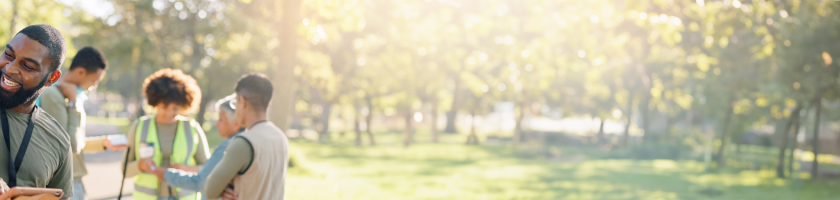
[(202, 108), (794, 144), (344, 123), (472, 138), (282, 103), (139, 78), (721, 158), (197, 47), (140, 104), (357, 127), (626, 139), (517, 132), (669, 122), (369, 120), (601, 138), (816, 140), (453, 111), (433, 118), (13, 21), (783, 135), (324, 136), (408, 133), (645, 109), (195, 64)]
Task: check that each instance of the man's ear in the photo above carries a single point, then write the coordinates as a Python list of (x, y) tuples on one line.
[(245, 104), (54, 76), (82, 71)]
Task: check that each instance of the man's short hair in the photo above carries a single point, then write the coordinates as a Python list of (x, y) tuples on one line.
[(224, 106), (256, 89), (90, 59), (50, 38)]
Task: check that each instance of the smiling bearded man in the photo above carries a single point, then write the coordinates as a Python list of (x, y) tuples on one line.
[(36, 150)]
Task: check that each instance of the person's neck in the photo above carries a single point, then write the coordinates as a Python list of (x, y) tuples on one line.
[(253, 118), (26, 108), (163, 121), (71, 78)]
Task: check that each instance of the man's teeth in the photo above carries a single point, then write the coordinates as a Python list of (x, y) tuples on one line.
[(9, 82)]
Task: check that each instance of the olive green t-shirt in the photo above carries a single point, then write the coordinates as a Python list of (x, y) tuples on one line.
[(48, 162)]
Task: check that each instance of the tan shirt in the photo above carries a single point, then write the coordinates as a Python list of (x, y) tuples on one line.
[(261, 177), (48, 162), (166, 137), (73, 122)]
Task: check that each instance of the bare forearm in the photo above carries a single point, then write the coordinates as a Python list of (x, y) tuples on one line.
[(94, 145)]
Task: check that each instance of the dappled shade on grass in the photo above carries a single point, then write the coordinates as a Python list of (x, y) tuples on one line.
[(455, 171)]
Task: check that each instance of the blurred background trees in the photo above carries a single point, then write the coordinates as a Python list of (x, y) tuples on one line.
[(704, 74)]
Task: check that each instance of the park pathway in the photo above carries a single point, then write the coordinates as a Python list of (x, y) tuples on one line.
[(104, 170)]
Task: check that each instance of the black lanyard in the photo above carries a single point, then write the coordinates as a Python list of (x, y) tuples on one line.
[(14, 164)]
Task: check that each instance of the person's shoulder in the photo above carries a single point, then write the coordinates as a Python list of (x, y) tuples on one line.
[(266, 127), (189, 120), (142, 118), (43, 120), (51, 92), (239, 141)]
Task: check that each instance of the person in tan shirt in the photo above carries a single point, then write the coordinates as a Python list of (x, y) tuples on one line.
[(36, 150), (64, 101), (257, 159)]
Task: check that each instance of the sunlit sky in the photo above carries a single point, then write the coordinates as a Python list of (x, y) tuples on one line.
[(98, 8)]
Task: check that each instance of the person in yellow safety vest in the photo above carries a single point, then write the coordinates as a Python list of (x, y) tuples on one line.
[(167, 139)]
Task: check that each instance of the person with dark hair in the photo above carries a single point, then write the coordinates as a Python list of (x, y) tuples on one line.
[(228, 127), (166, 139), (64, 102), (37, 150), (257, 159)]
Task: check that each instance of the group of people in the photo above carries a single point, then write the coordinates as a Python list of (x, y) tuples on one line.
[(167, 154)]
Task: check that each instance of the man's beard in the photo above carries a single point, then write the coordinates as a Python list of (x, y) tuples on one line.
[(22, 96)]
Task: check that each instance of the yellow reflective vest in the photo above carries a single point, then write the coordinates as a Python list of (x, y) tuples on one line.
[(183, 151)]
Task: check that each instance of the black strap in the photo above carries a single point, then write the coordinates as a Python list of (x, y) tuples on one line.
[(125, 167), (253, 154), (255, 124), (14, 163)]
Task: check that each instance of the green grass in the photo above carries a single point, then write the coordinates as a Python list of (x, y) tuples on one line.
[(456, 171), (452, 170)]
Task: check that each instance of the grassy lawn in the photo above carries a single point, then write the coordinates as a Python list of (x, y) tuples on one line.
[(457, 171), (452, 170)]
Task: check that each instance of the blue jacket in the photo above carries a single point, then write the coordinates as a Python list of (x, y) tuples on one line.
[(193, 181)]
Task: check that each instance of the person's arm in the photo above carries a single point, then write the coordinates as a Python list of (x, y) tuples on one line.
[(100, 144), (132, 168), (52, 101), (193, 181), (63, 176), (237, 159), (94, 144)]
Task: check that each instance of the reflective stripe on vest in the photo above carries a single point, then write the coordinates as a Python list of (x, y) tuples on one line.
[(146, 184)]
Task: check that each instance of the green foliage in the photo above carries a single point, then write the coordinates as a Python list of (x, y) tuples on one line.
[(728, 66)]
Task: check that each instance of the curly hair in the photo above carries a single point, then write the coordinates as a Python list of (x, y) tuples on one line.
[(172, 86)]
